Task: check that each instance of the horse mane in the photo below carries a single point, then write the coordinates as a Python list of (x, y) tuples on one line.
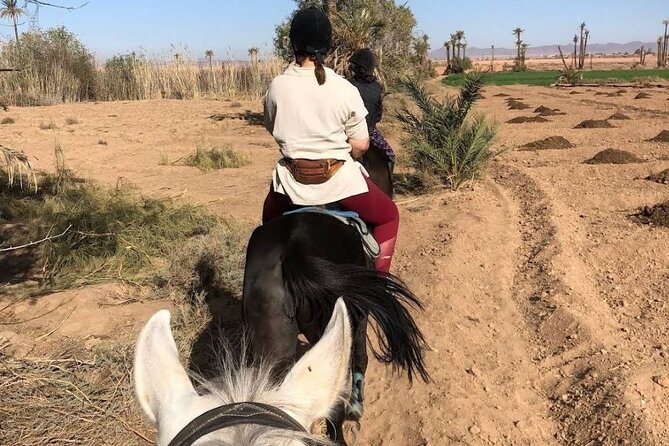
[(240, 380)]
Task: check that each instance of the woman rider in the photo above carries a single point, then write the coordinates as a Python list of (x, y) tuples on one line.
[(318, 119)]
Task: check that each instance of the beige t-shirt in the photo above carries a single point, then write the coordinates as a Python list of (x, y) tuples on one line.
[(315, 121)]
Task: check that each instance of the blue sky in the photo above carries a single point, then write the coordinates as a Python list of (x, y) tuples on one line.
[(230, 27)]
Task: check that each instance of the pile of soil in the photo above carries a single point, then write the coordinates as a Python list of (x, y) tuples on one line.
[(525, 119), (614, 156), (662, 177), (543, 108), (618, 116), (575, 92), (502, 95), (594, 124), (654, 215), (553, 112), (663, 136), (552, 142), (517, 105), (642, 95)]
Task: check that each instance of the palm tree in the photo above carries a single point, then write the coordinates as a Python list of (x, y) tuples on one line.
[(10, 9), (666, 40), (585, 47), (464, 50), (575, 43), (660, 41), (454, 44), (253, 53), (447, 45), (209, 54), (459, 36), (581, 54), (518, 32)]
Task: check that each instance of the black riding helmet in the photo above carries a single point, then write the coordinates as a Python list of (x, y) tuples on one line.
[(311, 33), (362, 63)]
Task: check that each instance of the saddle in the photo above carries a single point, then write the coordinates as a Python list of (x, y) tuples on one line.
[(369, 243)]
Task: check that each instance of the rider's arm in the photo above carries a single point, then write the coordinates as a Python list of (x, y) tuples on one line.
[(269, 111), (356, 125), (358, 147)]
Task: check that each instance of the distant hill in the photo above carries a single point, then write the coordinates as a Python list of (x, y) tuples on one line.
[(551, 50)]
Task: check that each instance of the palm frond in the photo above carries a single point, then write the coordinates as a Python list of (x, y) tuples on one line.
[(18, 164)]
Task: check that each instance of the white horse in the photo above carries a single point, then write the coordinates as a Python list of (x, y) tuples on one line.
[(283, 414)]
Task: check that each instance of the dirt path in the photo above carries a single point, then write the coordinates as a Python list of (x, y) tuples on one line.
[(546, 305)]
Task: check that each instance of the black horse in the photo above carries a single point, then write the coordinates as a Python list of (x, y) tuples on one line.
[(299, 264)]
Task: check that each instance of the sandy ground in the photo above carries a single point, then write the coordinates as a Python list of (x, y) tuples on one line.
[(546, 305)]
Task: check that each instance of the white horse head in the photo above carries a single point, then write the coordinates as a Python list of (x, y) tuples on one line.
[(308, 393)]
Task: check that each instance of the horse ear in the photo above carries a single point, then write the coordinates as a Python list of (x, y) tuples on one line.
[(161, 382), (321, 376)]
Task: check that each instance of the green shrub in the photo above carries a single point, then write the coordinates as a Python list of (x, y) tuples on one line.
[(459, 65), (446, 141)]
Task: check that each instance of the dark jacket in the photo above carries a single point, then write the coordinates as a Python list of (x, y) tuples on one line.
[(372, 96)]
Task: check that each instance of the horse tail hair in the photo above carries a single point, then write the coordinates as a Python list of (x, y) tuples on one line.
[(316, 283)]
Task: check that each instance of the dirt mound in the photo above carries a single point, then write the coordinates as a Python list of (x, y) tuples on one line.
[(575, 92), (554, 112), (542, 109), (657, 215), (525, 119), (552, 142), (502, 95), (594, 124), (517, 105), (642, 95), (663, 136), (661, 177), (618, 116), (614, 156)]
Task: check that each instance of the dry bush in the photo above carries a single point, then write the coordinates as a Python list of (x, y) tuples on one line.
[(216, 158), (16, 164), (50, 125), (71, 121), (7, 120)]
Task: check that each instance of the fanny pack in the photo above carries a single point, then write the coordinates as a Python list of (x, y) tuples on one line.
[(307, 171)]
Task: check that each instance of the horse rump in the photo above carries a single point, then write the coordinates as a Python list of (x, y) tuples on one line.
[(315, 285)]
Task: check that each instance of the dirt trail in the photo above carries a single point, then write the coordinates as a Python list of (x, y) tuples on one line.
[(545, 303)]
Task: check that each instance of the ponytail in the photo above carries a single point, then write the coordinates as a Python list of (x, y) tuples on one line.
[(320, 72)]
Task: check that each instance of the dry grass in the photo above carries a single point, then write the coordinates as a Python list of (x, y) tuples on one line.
[(216, 158), (17, 164), (50, 125), (7, 120), (102, 142), (71, 121)]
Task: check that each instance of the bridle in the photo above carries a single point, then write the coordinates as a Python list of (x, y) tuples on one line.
[(234, 415)]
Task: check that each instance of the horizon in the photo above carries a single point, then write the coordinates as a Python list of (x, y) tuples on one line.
[(107, 28)]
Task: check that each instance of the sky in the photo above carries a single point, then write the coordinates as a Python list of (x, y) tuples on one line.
[(230, 27)]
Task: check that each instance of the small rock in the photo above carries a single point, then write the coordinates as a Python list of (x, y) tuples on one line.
[(474, 372), (661, 381), (474, 430), (518, 424)]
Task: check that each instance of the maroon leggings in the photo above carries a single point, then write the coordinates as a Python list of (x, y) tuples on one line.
[(374, 207)]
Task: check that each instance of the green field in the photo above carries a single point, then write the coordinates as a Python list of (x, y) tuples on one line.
[(550, 77)]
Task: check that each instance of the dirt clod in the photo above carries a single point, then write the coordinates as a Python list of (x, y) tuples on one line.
[(657, 215), (526, 119), (594, 124), (663, 136), (517, 105), (642, 95), (552, 142), (502, 95), (618, 116), (542, 108), (614, 156), (661, 177)]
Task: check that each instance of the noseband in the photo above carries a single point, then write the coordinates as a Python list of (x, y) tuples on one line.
[(234, 415)]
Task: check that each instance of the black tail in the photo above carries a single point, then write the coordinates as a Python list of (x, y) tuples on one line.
[(317, 283)]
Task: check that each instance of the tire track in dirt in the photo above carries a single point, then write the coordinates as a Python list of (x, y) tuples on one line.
[(584, 383)]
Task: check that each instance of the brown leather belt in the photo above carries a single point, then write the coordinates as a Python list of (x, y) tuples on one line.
[(307, 171)]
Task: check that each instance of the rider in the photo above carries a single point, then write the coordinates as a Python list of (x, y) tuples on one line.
[(318, 119), (362, 65)]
